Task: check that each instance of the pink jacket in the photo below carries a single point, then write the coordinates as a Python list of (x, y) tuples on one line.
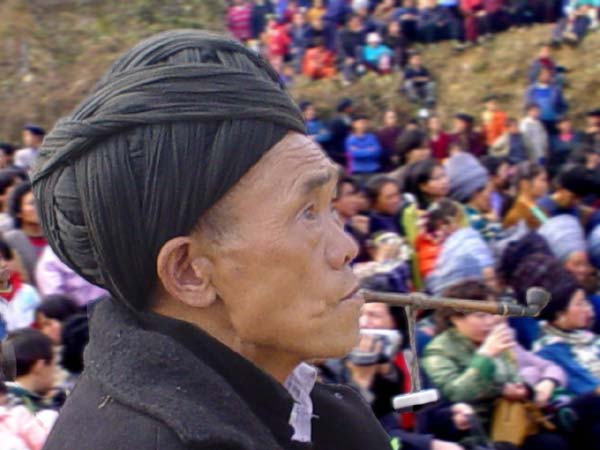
[(22, 427)]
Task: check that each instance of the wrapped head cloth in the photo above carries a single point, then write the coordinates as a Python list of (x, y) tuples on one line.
[(169, 129)]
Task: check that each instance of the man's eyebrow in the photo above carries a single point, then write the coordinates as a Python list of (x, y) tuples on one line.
[(316, 181)]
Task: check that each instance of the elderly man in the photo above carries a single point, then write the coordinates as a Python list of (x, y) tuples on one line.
[(186, 187)]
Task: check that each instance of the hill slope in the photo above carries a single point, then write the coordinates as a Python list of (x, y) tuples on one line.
[(499, 67), (53, 51)]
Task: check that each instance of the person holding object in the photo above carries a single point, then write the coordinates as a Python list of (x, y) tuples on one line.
[(476, 360), (185, 185)]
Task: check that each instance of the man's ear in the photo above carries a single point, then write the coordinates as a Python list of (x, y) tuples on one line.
[(185, 276)]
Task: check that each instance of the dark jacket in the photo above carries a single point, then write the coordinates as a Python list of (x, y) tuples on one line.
[(152, 382)]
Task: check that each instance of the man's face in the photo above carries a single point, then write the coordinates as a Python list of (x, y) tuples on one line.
[(282, 269)]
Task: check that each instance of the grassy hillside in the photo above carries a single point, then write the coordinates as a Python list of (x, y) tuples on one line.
[(499, 67), (53, 51)]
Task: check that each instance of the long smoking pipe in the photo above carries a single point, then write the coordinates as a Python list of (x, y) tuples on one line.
[(536, 298)]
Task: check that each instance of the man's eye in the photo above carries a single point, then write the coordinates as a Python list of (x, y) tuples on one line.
[(310, 213)]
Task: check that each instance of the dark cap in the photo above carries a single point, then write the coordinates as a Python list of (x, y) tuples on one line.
[(464, 117), (34, 129), (344, 104)]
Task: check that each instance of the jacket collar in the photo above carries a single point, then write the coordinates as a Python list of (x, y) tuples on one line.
[(181, 376)]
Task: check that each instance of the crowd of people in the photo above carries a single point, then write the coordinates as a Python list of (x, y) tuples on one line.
[(325, 39), (483, 211)]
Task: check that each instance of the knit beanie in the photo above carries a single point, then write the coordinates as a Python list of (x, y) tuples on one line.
[(564, 235), (467, 176)]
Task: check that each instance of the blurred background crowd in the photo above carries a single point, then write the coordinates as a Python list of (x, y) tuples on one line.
[(480, 205)]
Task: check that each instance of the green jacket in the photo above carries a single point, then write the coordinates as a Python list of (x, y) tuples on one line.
[(453, 365)]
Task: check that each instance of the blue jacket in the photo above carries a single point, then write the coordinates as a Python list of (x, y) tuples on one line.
[(318, 131), (549, 99), (364, 153)]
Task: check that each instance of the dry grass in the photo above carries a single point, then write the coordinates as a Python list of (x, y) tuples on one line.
[(499, 67), (53, 51)]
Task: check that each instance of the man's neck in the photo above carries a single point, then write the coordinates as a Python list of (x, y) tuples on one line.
[(215, 321)]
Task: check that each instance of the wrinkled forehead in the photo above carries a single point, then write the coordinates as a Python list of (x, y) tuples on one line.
[(294, 163)]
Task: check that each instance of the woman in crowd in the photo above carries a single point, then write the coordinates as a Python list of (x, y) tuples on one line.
[(27, 239), (425, 182), (384, 195), (531, 181), (476, 360)]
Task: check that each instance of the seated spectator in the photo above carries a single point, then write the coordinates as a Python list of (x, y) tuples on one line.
[(347, 204), (476, 361), (439, 140), (351, 40), (418, 82), (19, 429), (572, 28), (498, 170), (239, 20), (315, 128), (397, 42), (411, 146), (534, 133), (564, 339), (315, 14), (531, 183), (592, 129), (277, 43), (363, 150), (319, 62), (407, 16), (544, 61), (380, 382), (573, 184), (585, 156), (377, 56), (466, 137), (434, 23), (18, 300), (493, 121), (562, 144), (27, 239), (301, 36), (566, 240), (387, 136), (495, 17), (7, 154), (33, 135), (512, 144), (35, 371), (340, 127), (384, 12), (384, 196), (548, 97), (474, 19), (471, 186), (425, 183), (463, 253), (52, 313), (8, 179), (261, 9)]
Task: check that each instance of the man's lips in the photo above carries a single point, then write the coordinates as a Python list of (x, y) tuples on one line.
[(351, 294)]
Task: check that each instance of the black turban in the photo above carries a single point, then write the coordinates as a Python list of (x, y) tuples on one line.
[(169, 129)]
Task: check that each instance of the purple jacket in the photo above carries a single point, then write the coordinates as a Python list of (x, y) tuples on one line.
[(533, 369), (55, 277)]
